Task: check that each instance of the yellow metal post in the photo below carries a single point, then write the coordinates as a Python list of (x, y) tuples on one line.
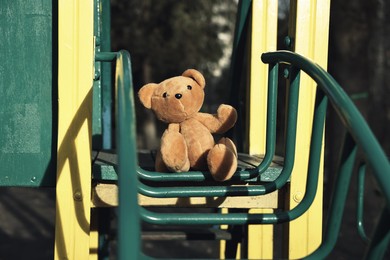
[(263, 39), (94, 235), (75, 76), (309, 28)]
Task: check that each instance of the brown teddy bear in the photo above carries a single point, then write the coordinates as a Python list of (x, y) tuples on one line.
[(188, 141)]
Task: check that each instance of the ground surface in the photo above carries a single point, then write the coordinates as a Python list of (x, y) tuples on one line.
[(27, 218)]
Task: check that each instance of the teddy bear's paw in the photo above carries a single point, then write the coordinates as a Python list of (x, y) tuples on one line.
[(227, 117), (227, 113), (177, 163), (222, 162), (179, 166)]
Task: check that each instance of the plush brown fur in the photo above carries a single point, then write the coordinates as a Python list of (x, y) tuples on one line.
[(188, 141)]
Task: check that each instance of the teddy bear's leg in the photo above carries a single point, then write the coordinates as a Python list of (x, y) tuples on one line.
[(222, 160), (174, 152), (159, 164)]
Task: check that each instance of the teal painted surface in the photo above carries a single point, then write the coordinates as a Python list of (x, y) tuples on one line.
[(105, 45), (27, 88), (97, 129), (102, 96)]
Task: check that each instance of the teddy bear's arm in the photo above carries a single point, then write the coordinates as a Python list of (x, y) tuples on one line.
[(221, 122)]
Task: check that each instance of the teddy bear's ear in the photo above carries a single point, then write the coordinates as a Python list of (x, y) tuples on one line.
[(195, 75), (145, 94)]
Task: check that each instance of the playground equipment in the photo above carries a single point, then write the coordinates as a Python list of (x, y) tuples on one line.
[(45, 143)]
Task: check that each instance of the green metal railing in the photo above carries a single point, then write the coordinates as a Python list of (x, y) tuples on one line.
[(359, 136), (213, 191), (129, 218)]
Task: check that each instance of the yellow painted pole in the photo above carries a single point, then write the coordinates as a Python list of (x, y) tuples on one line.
[(260, 238), (263, 39), (309, 29), (94, 235), (75, 75), (222, 244)]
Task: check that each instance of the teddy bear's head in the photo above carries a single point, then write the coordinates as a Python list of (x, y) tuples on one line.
[(175, 99)]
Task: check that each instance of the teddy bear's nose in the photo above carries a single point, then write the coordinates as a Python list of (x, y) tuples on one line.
[(178, 96)]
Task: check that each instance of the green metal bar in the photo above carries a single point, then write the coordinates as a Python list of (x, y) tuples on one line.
[(336, 211), (105, 46), (360, 203), (237, 67), (272, 104), (97, 86), (315, 154), (128, 220), (347, 111), (244, 7), (105, 56), (381, 238)]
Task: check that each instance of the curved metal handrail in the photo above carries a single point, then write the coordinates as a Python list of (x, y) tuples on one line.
[(129, 219), (360, 136), (238, 218), (349, 114)]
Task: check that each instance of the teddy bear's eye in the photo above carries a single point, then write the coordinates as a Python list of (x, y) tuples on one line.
[(165, 95), (189, 87)]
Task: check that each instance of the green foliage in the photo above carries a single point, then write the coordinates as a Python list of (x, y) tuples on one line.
[(167, 37)]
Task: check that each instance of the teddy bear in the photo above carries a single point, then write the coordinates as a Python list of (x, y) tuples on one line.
[(188, 143)]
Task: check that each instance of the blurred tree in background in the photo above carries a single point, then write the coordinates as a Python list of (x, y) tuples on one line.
[(170, 36), (167, 37), (359, 55)]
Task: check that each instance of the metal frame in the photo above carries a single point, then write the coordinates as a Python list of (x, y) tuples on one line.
[(362, 138)]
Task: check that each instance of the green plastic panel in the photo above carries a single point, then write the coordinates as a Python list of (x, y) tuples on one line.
[(27, 90)]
